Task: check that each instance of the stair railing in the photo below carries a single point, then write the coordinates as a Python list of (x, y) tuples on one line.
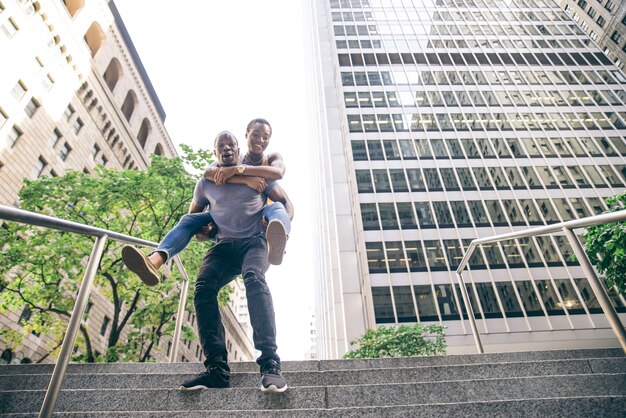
[(568, 228), (58, 374)]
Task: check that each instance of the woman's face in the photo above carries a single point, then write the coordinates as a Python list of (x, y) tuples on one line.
[(258, 138)]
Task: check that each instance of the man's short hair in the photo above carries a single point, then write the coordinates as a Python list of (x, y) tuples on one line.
[(224, 134)]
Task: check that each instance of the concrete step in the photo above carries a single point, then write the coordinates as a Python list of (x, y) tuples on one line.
[(572, 407), (322, 365), (416, 374), (319, 397)]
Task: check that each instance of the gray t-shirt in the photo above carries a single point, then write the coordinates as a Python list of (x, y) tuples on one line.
[(235, 208)]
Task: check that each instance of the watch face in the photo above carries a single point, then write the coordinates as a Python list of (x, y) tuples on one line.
[(240, 169)]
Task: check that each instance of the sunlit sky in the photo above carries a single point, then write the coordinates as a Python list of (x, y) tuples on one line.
[(215, 65)]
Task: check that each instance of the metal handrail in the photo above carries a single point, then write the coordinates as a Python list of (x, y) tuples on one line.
[(22, 216), (566, 227)]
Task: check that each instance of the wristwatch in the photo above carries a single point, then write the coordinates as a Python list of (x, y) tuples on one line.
[(241, 169)]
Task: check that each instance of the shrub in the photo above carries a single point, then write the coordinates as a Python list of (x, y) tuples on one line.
[(400, 341)]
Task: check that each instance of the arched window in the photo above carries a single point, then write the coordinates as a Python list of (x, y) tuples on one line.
[(94, 38), (128, 107), (6, 357), (113, 73), (158, 150), (144, 131), (74, 6)]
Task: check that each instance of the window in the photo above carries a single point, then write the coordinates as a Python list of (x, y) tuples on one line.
[(112, 73), (25, 315), (31, 107), (128, 107), (64, 151), (610, 5), (601, 21), (12, 136), (3, 118), (105, 325), (47, 82), (40, 165), (54, 137), (29, 7), (95, 150), (19, 90), (9, 28), (69, 111), (78, 125), (616, 37)]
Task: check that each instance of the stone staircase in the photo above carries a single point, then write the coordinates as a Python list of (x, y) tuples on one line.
[(564, 383)]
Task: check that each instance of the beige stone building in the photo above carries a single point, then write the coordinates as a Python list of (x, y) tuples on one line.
[(73, 95), (605, 23)]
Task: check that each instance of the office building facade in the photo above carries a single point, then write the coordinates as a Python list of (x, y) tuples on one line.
[(441, 121), (73, 95)]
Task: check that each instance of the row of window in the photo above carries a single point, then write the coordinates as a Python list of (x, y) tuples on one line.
[(446, 254), (488, 178), (468, 58), (455, 98), (483, 77), (441, 302), (495, 121), (469, 148), (395, 27), (610, 5), (475, 213), (461, 43), (453, 15), (490, 5)]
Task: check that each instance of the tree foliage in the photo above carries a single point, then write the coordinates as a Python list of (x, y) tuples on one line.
[(400, 341), (42, 268), (605, 246)]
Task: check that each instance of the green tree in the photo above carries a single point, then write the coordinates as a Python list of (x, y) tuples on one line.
[(605, 246), (400, 341), (42, 268)]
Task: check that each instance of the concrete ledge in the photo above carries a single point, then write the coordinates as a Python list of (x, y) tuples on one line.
[(174, 377), (578, 407)]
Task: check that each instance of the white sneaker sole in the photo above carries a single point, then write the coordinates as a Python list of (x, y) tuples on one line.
[(276, 242), (273, 389), (191, 388)]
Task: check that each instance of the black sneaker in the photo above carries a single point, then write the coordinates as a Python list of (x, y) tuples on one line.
[(272, 379), (214, 377)]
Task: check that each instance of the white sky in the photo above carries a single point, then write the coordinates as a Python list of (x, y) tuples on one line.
[(215, 65)]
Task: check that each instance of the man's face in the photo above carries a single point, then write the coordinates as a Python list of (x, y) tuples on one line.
[(227, 151), (258, 138)]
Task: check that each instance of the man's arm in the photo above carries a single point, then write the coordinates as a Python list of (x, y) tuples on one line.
[(274, 171), (278, 194)]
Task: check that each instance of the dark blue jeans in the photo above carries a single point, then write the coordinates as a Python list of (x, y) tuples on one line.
[(189, 225), (222, 263)]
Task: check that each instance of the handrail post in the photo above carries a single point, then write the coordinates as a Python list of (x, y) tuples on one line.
[(470, 314), (598, 289), (181, 310), (54, 387), (470, 311)]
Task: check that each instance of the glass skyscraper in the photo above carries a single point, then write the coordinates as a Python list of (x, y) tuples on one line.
[(438, 122)]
